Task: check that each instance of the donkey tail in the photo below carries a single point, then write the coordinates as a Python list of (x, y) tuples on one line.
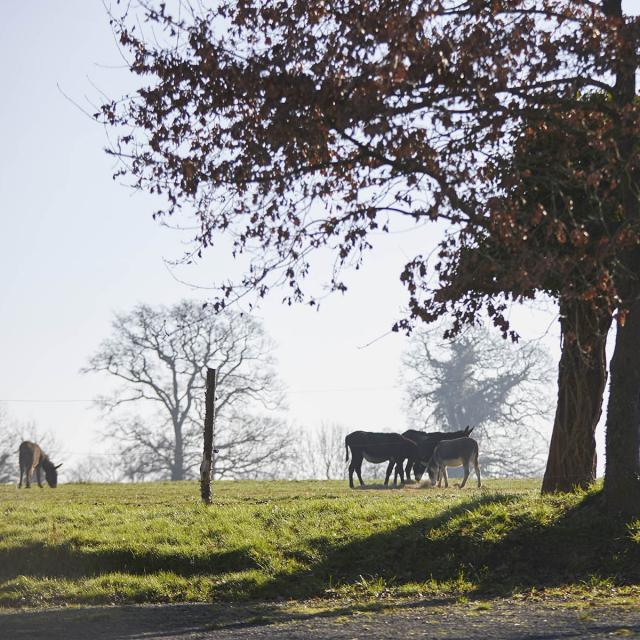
[(346, 446)]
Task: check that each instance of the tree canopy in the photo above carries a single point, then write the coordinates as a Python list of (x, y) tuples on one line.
[(299, 125)]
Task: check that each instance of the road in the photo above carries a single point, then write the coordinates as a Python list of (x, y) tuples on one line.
[(497, 620)]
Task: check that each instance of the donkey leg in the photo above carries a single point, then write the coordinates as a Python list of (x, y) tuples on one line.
[(390, 467), (466, 475), (356, 463), (477, 467), (445, 476), (407, 469), (21, 475), (39, 476), (396, 473), (401, 469), (29, 474)]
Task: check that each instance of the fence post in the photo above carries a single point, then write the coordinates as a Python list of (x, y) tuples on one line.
[(209, 418)]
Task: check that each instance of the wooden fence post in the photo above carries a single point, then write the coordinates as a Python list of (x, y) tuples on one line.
[(209, 418)]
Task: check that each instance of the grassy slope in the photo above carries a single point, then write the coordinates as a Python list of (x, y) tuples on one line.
[(266, 540)]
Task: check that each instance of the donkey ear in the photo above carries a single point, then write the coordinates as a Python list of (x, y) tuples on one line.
[(469, 429), (58, 465)]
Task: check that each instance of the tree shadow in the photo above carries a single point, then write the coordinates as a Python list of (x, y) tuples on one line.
[(67, 561), (583, 545), (401, 555), (480, 539), (378, 487)]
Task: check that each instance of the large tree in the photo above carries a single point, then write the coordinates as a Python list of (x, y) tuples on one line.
[(478, 379), (294, 126), (563, 200), (159, 356)]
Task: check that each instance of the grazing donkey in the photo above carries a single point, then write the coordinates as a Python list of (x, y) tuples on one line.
[(376, 448), (32, 458), (426, 444), (453, 453)]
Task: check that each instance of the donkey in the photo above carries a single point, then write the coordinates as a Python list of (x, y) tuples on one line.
[(426, 444), (376, 448), (453, 453), (31, 458)]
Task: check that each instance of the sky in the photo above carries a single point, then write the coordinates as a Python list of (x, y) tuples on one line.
[(76, 246)]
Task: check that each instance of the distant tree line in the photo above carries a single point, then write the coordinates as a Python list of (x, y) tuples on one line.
[(153, 417), (158, 357)]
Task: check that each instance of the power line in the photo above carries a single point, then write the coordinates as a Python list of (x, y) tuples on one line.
[(43, 401)]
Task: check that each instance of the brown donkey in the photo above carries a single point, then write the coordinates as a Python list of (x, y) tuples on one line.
[(32, 458)]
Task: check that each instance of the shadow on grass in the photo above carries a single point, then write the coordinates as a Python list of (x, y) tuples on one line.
[(498, 551), (490, 540), (66, 561), (380, 486), (403, 555)]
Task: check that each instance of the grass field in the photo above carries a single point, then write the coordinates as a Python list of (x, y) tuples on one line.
[(156, 542)]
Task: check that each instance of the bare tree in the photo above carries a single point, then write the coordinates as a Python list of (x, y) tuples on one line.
[(330, 441), (262, 447), (320, 452), (160, 356), (96, 468), (478, 379)]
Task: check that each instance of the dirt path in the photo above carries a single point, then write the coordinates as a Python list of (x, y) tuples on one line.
[(497, 621)]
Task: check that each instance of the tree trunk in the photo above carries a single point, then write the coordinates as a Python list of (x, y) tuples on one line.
[(582, 376), (622, 472), (622, 479), (177, 470)]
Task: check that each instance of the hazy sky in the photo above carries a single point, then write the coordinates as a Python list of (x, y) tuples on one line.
[(76, 246)]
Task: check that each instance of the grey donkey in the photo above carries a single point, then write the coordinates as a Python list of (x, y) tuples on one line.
[(453, 453)]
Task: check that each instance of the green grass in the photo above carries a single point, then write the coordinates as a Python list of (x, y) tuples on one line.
[(156, 542)]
